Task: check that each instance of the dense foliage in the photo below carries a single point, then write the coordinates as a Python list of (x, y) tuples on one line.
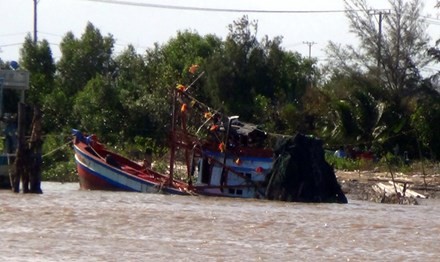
[(372, 96)]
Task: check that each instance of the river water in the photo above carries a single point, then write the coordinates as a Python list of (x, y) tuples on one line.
[(68, 224)]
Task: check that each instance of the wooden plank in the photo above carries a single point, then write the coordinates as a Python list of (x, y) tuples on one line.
[(389, 190)]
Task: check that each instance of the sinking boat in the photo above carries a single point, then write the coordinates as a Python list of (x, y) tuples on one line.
[(101, 169), (206, 169), (212, 154), (225, 157)]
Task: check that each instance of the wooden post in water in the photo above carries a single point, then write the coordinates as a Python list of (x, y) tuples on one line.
[(20, 160), (35, 148), (28, 160)]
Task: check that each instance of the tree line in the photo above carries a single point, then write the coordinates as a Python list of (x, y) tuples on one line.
[(371, 95)]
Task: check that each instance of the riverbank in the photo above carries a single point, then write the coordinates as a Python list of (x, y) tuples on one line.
[(365, 185)]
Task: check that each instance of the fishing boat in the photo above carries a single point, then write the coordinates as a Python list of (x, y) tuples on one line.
[(101, 169), (225, 157), (212, 154), (197, 167), (17, 81)]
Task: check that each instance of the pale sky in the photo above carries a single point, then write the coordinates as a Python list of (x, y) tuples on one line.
[(142, 26)]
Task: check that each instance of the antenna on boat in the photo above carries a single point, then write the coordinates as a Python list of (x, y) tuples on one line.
[(173, 139)]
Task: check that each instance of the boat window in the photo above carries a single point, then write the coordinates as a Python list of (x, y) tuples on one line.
[(233, 191)]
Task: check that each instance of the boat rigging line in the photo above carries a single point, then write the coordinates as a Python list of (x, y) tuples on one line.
[(56, 149)]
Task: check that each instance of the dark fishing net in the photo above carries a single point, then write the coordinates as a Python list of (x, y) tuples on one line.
[(301, 174)]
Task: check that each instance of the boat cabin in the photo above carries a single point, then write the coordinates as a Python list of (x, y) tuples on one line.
[(14, 83)]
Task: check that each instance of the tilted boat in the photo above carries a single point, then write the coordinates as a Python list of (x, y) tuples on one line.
[(196, 166), (101, 169), (225, 157), (214, 155)]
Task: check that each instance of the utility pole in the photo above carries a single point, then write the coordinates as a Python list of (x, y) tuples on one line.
[(35, 21), (309, 77), (310, 48), (379, 38)]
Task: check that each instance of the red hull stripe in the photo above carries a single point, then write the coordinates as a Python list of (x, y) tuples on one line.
[(96, 174)]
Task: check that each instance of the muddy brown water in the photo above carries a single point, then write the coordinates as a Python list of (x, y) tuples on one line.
[(68, 224)]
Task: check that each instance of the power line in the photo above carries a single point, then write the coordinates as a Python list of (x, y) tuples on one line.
[(14, 44), (50, 34), (13, 34), (226, 10), (293, 44), (429, 17), (432, 22)]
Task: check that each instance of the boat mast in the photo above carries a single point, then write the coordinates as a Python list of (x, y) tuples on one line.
[(173, 137), (226, 141)]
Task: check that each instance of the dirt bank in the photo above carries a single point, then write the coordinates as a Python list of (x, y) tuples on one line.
[(360, 185)]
